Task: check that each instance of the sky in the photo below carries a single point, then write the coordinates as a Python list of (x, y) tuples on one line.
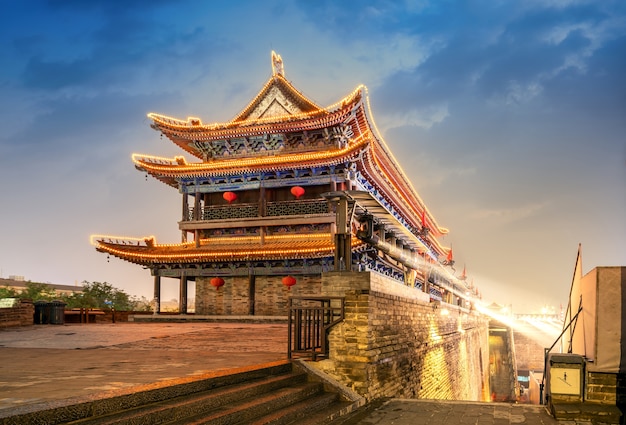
[(508, 117)]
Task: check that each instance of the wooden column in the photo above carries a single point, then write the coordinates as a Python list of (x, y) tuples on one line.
[(182, 296), (157, 294), (251, 293), (185, 206), (262, 212), (185, 216), (197, 213), (343, 246)]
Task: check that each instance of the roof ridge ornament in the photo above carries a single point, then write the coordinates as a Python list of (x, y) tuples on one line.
[(277, 65)]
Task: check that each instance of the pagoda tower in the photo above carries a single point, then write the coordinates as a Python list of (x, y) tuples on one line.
[(284, 192)]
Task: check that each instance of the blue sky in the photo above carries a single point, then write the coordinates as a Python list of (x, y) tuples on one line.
[(508, 117)]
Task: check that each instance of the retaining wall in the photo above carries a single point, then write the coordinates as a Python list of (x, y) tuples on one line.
[(22, 314), (394, 342)]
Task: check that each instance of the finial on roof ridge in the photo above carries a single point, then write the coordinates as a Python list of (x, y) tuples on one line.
[(277, 64)]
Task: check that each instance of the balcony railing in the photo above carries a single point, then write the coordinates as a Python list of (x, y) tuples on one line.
[(251, 210), (303, 207), (310, 318)]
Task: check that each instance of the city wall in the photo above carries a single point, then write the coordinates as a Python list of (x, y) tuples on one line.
[(394, 342)]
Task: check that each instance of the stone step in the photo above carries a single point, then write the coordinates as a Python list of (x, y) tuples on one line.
[(318, 408), (75, 409), (592, 412), (277, 394), (196, 404), (247, 410)]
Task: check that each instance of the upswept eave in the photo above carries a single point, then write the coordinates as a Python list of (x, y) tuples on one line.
[(182, 132), (178, 167), (394, 176), (146, 251), (354, 108)]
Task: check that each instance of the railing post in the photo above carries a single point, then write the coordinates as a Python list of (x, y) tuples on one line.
[(289, 327), (308, 325)]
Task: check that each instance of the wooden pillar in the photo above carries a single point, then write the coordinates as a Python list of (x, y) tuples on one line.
[(185, 206), (182, 296), (251, 293), (343, 246), (262, 212), (262, 202), (197, 213), (185, 214), (157, 294)]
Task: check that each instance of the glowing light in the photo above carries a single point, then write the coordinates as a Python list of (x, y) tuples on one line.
[(229, 196), (289, 281), (297, 191), (171, 167), (310, 245), (196, 123), (217, 282)]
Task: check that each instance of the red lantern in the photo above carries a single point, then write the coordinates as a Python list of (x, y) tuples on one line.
[(229, 196), (289, 281), (217, 282), (297, 191)]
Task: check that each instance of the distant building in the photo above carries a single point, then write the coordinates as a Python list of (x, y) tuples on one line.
[(591, 356), (20, 285)]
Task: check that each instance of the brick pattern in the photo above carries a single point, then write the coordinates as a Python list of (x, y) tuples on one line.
[(601, 387), (21, 315), (501, 366), (529, 354), (392, 345), (270, 295)]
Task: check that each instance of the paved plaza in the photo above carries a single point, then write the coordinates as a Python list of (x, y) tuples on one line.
[(44, 363), (50, 362)]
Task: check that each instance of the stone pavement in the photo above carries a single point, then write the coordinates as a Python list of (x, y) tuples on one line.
[(50, 362), (441, 412), (44, 363)]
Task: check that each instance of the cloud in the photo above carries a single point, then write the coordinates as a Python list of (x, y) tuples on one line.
[(424, 117), (511, 214)]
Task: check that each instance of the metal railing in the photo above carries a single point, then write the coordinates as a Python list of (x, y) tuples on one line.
[(310, 318)]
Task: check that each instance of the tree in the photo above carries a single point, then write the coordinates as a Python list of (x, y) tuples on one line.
[(7, 292), (38, 291), (103, 295)]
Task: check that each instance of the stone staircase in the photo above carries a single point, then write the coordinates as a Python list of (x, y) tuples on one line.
[(599, 406), (279, 393), (593, 413)]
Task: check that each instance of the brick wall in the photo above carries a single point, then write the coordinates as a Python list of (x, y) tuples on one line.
[(502, 368), (601, 387), (395, 343), (21, 315), (270, 295), (529, 354)]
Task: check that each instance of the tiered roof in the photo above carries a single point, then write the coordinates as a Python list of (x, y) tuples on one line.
[(147, 252), (279, 109)]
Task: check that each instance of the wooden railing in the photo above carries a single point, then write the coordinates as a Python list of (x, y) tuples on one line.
[(251, 210), (310, 318)]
